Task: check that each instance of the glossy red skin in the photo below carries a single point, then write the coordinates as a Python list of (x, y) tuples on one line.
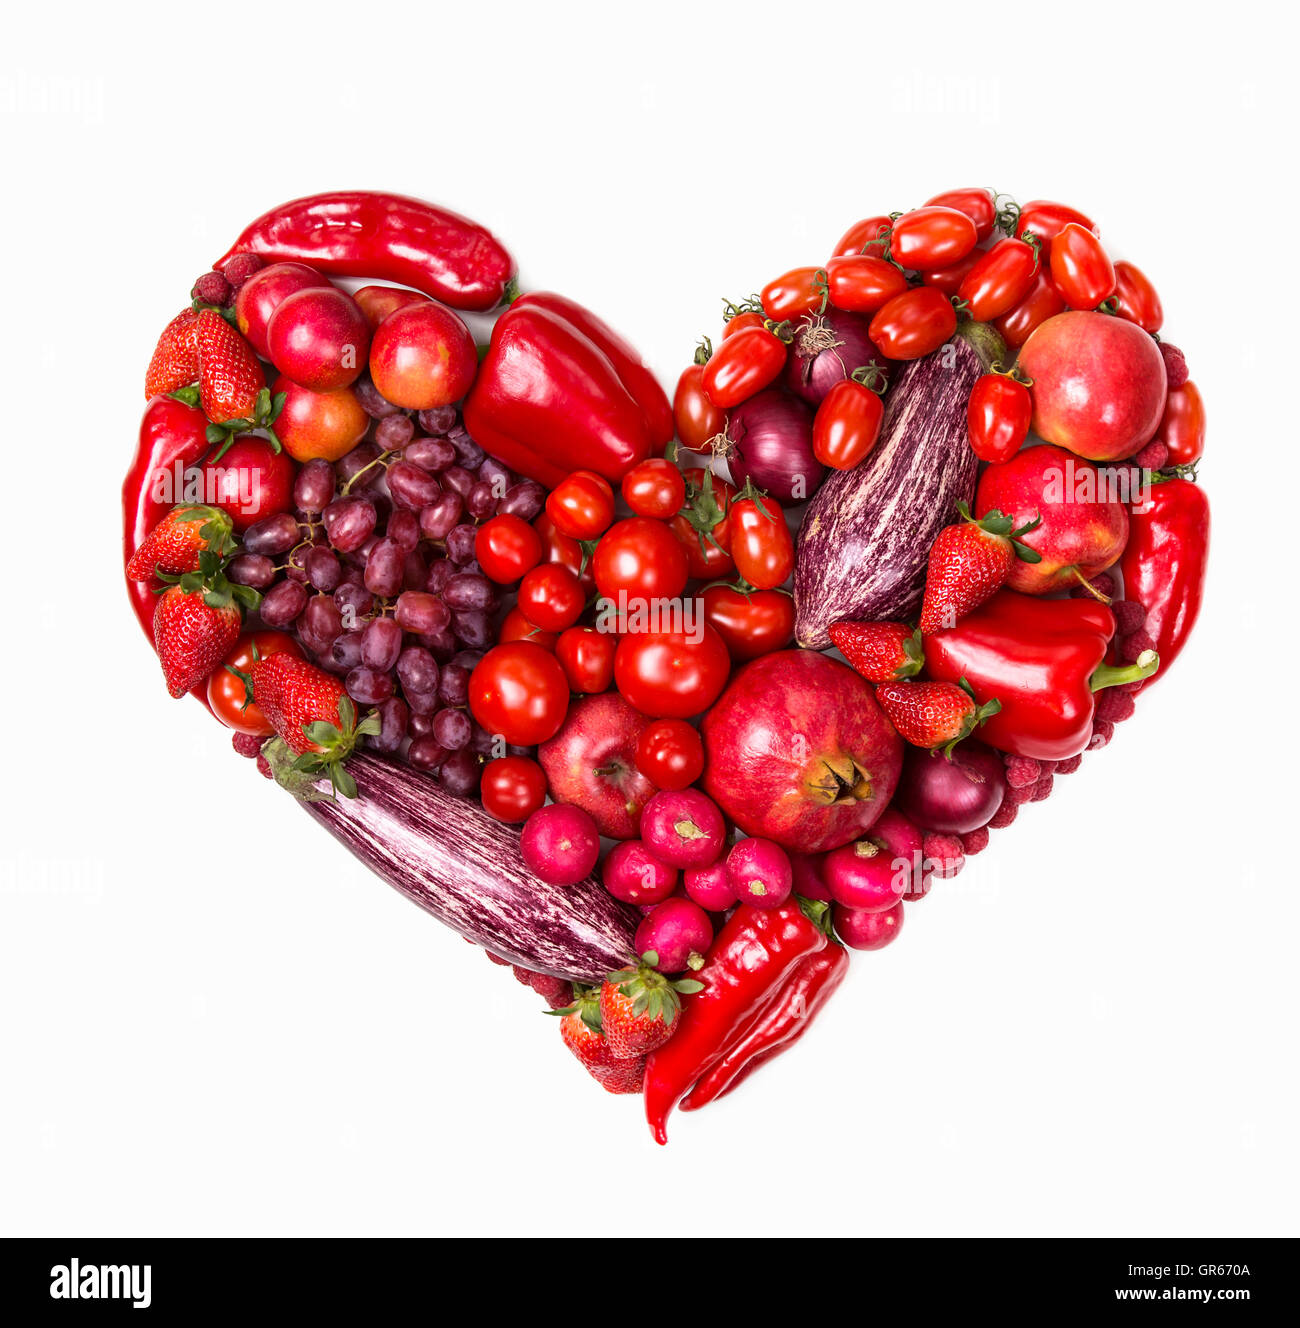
[(516, 627), (913, 324), (1136, 298), (1043, 302), (861, 234), (319, 338), (519, 691), (1047, 220), (587, 658), (1182, 428), (263, 293), (860, 930), (739, 322), (385, 237), (750, 624), (1036, 657), (558, 547), (743, 365), (1077, 540), (423, 356), (581, 505), (999, 281), (997, 417), (377, 302), (548, 401), (669, 754), (1081, 268), (796, 292), (667, 676), (318, 424), (655, 489), (1164, 564), (270, 481), (226, 693), (506, 547), (697, 419), (847, 425), (761, 544), (1099, 384), (977, 204), (711, 561), (862, 283), (512, 788), (550, 597), (642, 558), (949, 279), (932, 237)]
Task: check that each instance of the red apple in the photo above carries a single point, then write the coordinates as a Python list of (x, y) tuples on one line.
[(591, 763), (319, 339), (377, 302), (422, 357), (1084, 525), (318, 424), (252, 481), (1098, 384), (798, 751), (263, 293)]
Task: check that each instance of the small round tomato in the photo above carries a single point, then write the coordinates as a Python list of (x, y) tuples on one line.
[(932, 237), (761, 544), (977, 204), (516, 627), (799, 291), (1043, 302), (913, 324), (750, 623), (1136, 298), (847, 424), (672, 675), (997, 416), (251, 481), (670, 754), (559, 548), (518, 691), (1182, 430), (581, 505), (743, 365), (513, 788), (587, 658), (865, 237), (1047, 220), (1000, 280), (506, 547), (862, 283), (654, 488), (226, 692), (1081, 268), (641, 559), (697, 419), (703, 528), (550, 597)]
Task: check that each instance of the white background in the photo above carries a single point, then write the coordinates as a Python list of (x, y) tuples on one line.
[(212, 1020)]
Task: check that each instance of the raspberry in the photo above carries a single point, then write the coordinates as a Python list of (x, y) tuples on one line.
[(246, 744), (239, 268), (1175, 365), (522, 975), (1129, 617), (1153, 456), (496, 959), (1015, 796), (1042, 790), (942, 855), (1134, 644), (264, 767), (212, 288), (974, 841), (1022, 771), (1004, 815), (1115, 707), (556, 992), (1102, 732), (1068, 767)]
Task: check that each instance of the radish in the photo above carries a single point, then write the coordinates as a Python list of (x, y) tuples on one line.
[(710, 887), (877, 871), (635, 875), (678, 933), (683, 828), (560, 843), (860, 930), (807, 870), (759, 872)]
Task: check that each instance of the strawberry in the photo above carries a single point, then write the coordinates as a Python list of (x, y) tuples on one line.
[(173, 546), (581, 1030), (639, 1006), (879, 651), (933, 714), (192, 637), (230, 378), (175, 362), (968, 563)]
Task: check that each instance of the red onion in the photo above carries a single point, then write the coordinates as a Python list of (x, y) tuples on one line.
[(770, 438), (953, 795), (827, 348)]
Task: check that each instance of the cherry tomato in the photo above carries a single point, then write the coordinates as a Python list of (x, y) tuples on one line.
[(847, 425), (227, 694), (761, 545), (977, 204), (641, 559), (739, 322), (863, 236), (671, 675), (581, 505), (513, 788), (505, 548), (913, 324), (519, 692), (949, 279), (861, 284), (931, 237), (250, 482), (704, 527), (742, 365), (550, 597), (587, 658), (670, 754), (516, 627), (997, 416), (1047, 220), (1136, 298), (559, 548), (1043, 302), (1182, 430), (697, 419), (798, 291), (1081, 268), (750, 623), (655, 488), (1000, 280)]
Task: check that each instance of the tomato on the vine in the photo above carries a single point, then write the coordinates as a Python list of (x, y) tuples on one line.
[(550, 597), (799, 291), (931, 237), (506, 547), (672, 674), (761, 544), (1081, 268), (1136, 298), (581, 505), (670, 754), (744, 364), (1182, 430), (864, 237), (513, 788), (913, 324), (977, 204), (750, 622), (740, 321), (640, 558), (1047, 220), (227, 693), (862, 283), (1000, 280), (518, 691), (703, 527), (654, 488), (587, 658), (847, 424), (1043, 302), (997, 416), (697, 419)]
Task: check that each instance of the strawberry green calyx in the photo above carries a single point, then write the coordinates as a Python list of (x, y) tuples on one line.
[(586, 1005), (217, 529), (650, 991), (974, 719), (995, 523), (336, 742), (265, 413), (210, 581)]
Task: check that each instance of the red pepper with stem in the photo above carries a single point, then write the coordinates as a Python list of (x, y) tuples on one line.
[(387, 237), (785, 1020), (751, 959), (1043, 659)]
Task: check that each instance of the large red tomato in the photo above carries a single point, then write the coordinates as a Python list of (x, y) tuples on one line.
[(519, 691), (669, 675)]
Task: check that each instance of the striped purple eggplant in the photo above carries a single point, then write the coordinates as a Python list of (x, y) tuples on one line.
[(449, 856), (867, 532)]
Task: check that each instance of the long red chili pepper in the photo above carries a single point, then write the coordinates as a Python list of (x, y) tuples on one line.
[(753, 955), (386, 237), (785, 1020)]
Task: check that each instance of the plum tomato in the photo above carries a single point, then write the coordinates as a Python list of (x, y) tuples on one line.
[(250, 481), (697, 419), (949, 279), (318, 424), (932, 237), (226, 692), (581, 505), (1047, 220), (587, 658), (670, 754), (862, 283), (512, 788), (1081, 268), (799, 291), (738, 322), (744, 364), (913, 324), (997, 416), (977, 204), (1182, 430), (847, 424), (550, 597), (750, 622), (865, 237), (654, 488), (642, 559), (319, 338), (506, 547), (1043, 302), (761, 544), (1136, 298), (674, 674), (1000, 280), (519, 693)]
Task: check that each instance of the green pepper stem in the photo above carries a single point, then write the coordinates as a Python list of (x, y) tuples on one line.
[(1116, 675)]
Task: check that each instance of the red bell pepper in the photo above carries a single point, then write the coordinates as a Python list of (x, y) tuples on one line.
[(1164, 563), (559, 391), (1043, 660), (387, 237)]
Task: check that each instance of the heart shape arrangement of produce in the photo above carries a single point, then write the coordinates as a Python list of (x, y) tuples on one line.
[(669, 706)]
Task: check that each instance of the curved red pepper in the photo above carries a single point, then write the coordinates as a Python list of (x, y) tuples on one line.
[(1042, 659), (550, 398), (786, 1019), (360, 233), (753, 955), (1164, 563)]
